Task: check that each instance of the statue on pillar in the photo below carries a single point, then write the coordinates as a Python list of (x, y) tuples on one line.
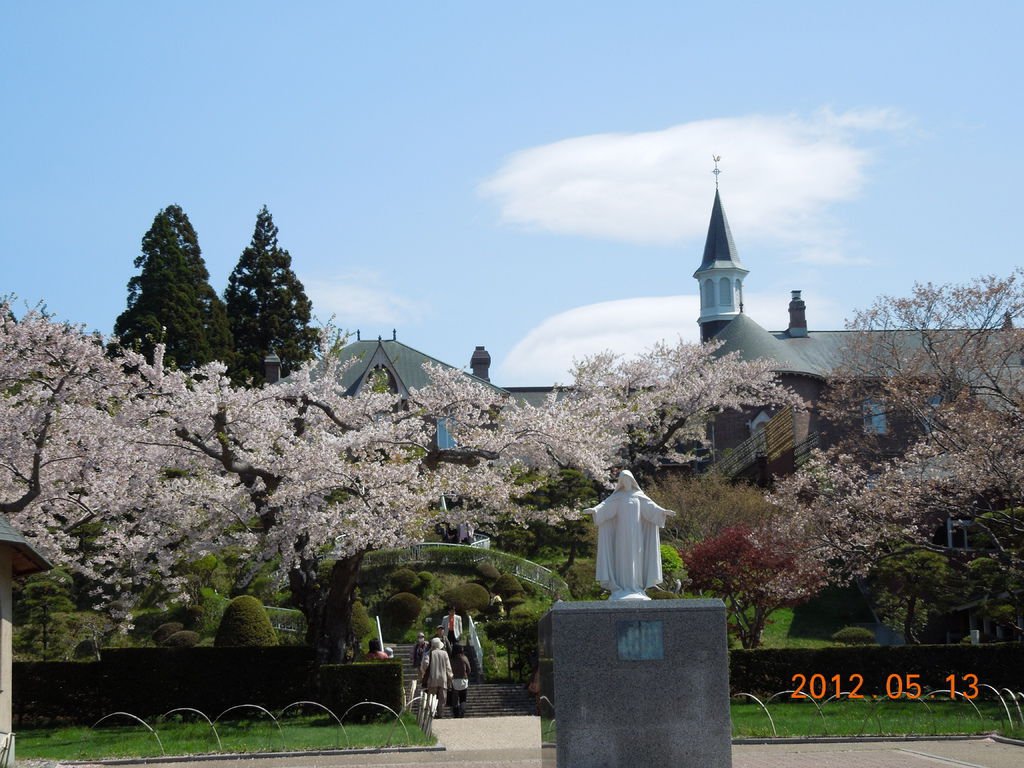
[(628, 542)]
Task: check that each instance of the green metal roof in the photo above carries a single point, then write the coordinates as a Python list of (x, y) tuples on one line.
[(25, 559), (816, 354), (401, 360)]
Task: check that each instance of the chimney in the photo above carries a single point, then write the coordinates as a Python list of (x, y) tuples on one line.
[(272, 368), (480, 362), (797, 317)]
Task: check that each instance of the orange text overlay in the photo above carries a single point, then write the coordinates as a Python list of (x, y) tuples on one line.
[(909, 686)]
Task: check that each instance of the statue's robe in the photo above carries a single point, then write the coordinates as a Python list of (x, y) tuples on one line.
[(628, 543)]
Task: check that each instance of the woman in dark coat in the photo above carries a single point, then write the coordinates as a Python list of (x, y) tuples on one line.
[(460, 681)]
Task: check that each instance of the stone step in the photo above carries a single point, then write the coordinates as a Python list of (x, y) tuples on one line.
[(498, 700), (483, 699)]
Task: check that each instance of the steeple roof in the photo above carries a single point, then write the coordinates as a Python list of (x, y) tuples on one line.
[(719, 248)]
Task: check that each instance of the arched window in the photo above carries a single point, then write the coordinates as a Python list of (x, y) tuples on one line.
[(725, 292), (709, 293)]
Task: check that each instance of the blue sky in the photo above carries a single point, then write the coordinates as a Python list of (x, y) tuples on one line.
[(531, 176)]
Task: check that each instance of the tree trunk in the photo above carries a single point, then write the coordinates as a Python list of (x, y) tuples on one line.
[(336, 634), (909, 636), (327, 608)]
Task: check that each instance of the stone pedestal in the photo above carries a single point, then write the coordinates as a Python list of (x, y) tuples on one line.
[(631, 683)]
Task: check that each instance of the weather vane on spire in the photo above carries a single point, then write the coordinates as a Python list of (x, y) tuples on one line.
[(716, 158)]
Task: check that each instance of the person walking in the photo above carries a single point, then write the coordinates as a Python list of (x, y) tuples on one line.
[(460, 682), (420, 650), (452, 626), (439, 634), (437, 674)]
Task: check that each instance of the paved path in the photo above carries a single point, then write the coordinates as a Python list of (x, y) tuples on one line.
[(514, 742)]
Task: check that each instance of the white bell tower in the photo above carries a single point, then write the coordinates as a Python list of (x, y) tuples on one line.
[(720, 275)]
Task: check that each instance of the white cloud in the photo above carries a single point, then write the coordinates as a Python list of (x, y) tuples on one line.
[(780, 175), (360, 299), (629, 326)]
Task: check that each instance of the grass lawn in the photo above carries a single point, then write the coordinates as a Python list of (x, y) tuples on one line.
[(867, 717), (812, 624), (120, 737)]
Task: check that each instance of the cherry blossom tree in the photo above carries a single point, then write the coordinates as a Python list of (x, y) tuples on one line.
[(164, 466), (72, 471), (944, 366), (662, 400), (301, 473)]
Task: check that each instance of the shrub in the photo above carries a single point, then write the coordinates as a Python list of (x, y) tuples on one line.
[(519, 638), (526, 611), (771, 670), (671, 562), (582, 580), (183, 639), (488, 572), (194, 617), (426, 579), (165, 630), (149, 681), (662, 594), (468, 598), (404, 580), (245, 623), (402, 610), (87, 650), (344, 685), (507, 586), (854, 636), (361, 624), (514, 602)]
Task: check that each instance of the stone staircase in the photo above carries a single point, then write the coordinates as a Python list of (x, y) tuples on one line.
[(483, 699)]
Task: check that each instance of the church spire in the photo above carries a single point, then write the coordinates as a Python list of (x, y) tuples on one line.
[(720, 274), (719, 246)]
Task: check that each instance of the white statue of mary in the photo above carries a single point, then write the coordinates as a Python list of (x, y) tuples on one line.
[(628, 543)]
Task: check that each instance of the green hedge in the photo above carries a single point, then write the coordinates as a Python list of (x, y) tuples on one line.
[(342, 686), (767, 671), (150, 681)]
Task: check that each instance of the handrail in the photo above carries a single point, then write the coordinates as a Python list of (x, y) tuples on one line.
[(773, 440), (461, 554)]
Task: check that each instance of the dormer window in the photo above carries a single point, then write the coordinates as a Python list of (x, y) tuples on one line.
[(757, 423)]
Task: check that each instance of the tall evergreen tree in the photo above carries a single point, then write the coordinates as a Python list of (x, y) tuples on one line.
[(267, 307), (171, 299)]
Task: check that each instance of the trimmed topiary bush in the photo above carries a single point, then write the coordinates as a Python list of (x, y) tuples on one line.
[(468, 598), (662, 594), (404, 580), (194, 617), (361, 624), (165, 630), (488, 572), (401, 610), (854, 636), (513, 602), (507, 586), (184, 639), (245, 623)]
